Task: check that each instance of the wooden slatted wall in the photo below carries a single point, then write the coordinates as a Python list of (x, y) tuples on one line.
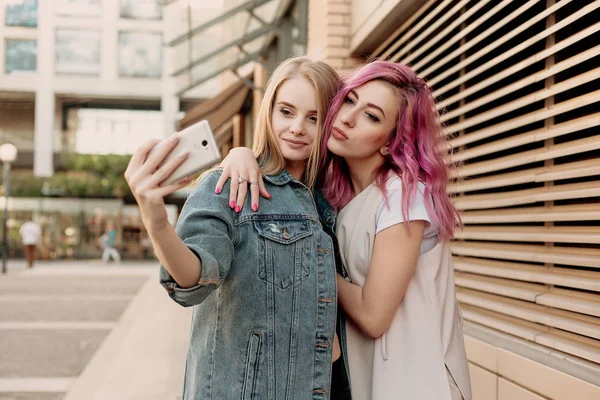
[(519, 86)]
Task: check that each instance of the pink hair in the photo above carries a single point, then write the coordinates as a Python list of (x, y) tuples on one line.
[(417, 146)]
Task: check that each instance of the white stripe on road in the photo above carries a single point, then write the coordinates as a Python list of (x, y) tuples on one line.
[(37, 385), (61, 297), (57, 325)]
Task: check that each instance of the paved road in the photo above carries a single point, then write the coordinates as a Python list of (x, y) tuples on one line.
[(53, 319)]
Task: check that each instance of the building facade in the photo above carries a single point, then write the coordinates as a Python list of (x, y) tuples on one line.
[(60, 56), (517, 83)]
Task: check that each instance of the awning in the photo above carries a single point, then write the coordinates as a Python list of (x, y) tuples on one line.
[(219, 110), (253, 25)]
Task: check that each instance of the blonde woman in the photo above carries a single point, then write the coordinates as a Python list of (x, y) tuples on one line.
[(263, 284)]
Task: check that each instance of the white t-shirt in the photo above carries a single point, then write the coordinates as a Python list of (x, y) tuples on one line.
[(30, 232), (390, 213)]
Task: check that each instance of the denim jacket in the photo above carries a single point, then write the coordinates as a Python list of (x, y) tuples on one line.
[(265, 307)]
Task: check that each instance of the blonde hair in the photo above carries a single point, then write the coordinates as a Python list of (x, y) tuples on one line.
[(265, 146)]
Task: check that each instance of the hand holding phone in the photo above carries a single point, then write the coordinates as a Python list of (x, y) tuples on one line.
[(199, 142), (158, 169)]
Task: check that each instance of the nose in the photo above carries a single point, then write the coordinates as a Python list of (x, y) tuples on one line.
[(347, 117), (297, 127)]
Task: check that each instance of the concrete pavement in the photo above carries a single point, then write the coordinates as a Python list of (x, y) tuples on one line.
[(126, 338)]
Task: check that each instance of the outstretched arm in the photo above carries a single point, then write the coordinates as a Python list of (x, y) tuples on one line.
[(144, 175)]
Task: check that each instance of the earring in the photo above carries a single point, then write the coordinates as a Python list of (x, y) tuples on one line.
[(384, 151)]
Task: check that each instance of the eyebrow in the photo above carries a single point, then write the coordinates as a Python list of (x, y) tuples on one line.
[(368, 104)]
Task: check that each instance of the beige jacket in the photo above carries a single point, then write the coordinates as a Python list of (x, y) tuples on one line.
[(409, 361)]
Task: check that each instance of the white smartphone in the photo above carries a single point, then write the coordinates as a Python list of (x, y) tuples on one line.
[(199, 141)]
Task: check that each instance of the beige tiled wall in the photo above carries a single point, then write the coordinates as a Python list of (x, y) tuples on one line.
[(498, 374)]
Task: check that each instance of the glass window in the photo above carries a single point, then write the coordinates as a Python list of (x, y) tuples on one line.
[(140, 54), (21, 13), (20, 55), (81, 8), (141, 9), (77, 51)]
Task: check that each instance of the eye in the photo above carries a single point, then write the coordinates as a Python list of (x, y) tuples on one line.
[(373, 117), (286, 112), (349, 100), (313, 119)]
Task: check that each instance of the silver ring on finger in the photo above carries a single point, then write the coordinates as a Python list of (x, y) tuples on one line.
[(241, 180), (254, 183)]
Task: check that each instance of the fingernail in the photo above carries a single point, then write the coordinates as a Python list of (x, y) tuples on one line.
[(254, 207), (184, 155), (232, 204), (174, 138), (217, 190), (237, 209), (268, 195)]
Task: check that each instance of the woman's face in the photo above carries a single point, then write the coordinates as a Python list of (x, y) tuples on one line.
[(365, 121), (294, 120)]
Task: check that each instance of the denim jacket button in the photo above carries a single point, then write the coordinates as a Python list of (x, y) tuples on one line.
[(286, 236)]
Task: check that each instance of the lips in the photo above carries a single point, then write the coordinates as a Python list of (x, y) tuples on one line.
[(294, 143), (339, 134)]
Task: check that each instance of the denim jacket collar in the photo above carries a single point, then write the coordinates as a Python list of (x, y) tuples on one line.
[(282, 178), (324, 209)]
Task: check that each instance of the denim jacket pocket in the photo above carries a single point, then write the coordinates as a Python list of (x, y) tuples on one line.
[(285, 249), (252, 363)]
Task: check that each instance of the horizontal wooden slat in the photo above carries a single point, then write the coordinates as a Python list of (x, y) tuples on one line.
[(455, 38), (479, 38), (588, 307), (536, 135), (582, 257), (393, 37), (518, 67), (507, 54), (418, 26), (533, 293), (577, 279), (576, 212), (526, 119), (441, 19), (542, 154), (502, 287), (528, 196), (433, 44), (560, 234), (529, 99), (550, 173), (589, 326), (533, 332)]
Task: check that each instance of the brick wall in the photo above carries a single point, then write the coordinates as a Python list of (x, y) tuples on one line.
[(329, 33)]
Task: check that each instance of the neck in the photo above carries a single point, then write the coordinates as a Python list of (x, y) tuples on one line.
[(362, 171), (296, 169)]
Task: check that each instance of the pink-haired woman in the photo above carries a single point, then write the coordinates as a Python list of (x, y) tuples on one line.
[(387, 176)]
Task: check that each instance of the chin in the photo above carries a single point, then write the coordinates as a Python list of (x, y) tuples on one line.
[(335, 147), (295, 156)]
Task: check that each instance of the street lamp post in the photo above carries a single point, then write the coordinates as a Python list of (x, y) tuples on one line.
[(8, 154)]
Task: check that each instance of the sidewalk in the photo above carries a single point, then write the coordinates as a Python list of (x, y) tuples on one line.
[(144, 355)]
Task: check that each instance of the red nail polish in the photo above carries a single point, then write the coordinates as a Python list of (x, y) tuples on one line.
[(254, 207), (217, 191), (268, 195), (237, 209), (232, 204)]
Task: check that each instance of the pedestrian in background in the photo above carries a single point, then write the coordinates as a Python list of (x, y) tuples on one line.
[(109, 242), (30, 236)]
